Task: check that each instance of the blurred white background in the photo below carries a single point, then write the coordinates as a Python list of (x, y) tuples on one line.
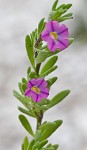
[(17, 19)]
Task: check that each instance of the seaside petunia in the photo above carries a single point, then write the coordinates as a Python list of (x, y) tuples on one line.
[(37, 89), (55, 35)]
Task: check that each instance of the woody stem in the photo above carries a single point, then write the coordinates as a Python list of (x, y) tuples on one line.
[(39, 119), (40, 115), (36, 54)]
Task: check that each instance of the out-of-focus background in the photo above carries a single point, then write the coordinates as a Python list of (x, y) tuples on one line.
[(18, 18)]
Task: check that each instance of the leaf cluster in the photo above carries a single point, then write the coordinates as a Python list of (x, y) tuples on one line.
[(41, 135), (33, 109), (59, 12), (38, 53), (37, 145)]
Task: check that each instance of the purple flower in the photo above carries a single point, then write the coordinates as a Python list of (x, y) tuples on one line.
[(55, 35), (37, 89)]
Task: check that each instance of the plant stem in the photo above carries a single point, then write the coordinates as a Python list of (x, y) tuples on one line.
[(39, 119), (38, 68), (40, 115), (36, 53), (38, 41)]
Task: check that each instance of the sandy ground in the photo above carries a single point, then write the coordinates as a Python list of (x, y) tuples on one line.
[(18, 18)]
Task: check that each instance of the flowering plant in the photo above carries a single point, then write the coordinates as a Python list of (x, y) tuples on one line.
[(43, 43)]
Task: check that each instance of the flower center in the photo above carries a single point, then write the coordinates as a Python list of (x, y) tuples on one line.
[(54, 35), (36, 89)]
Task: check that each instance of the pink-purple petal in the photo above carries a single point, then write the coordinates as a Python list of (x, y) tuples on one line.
[(44, 90), (49, 26), (39, 98), (51, 44), (43, 95), (55, 25), (63, 43), (27, 92), (33, 95), (45, 35), (63, 31), (43, 84), (39, 82), (29, 85), (33, 81), (52, 26)]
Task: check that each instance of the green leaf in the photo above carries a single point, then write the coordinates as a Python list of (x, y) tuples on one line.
[(49, 145), (32, 75), (60, 19), (28, 72), (51, 81), (22, 146), (41, 26), (26, 101), (30, 51), (20, 88), (38, 107), (68, 15), (61, 6), (37, 135), (51, 15), (58, 98), (24, 80), (55, 5), (44, 122), (67, 6), (64, 6), (33, 36), (50, 148), (26, 143), (31, 145), (48, 128), (58, 14), (17, 95), (49, 71), (43, 143), (44, 102), (27, 112), (26, 124), (43, 108), (56, 146), (71, 41), (54, 15), (36, 145), (42, 56), (50, 63), (24, 87)]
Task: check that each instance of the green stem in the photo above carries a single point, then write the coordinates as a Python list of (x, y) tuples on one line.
[(38, 68), (36, 53), (39, 119), (40, 115)]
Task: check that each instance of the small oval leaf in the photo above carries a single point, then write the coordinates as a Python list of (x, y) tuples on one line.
[(55, 5), (48, 71), (30, 51), (41, 26), (26, 124), (58, 98), (50, 63)]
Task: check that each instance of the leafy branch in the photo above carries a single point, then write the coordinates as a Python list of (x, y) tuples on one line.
[(38, 53)]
